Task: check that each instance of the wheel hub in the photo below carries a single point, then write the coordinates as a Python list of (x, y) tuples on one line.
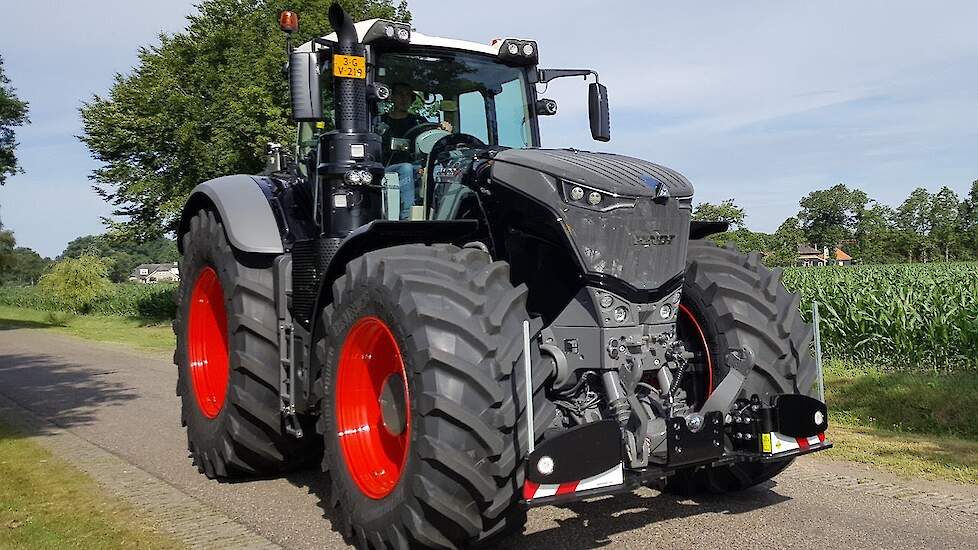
[(372, 407), (207, 343)]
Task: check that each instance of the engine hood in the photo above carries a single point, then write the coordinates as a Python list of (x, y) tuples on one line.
[(618, 174)]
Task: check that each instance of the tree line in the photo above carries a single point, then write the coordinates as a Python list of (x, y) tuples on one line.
[(925, 227)]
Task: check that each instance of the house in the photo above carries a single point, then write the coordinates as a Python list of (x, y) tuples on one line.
[(808, 256), (155, 273)]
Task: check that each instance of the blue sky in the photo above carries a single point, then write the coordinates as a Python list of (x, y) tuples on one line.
[(756, 101)]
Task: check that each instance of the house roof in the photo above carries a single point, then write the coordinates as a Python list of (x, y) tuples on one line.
[(804, 249), (841, 255), (153, 268)]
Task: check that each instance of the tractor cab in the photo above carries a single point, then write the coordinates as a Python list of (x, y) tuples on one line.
[(424, 94)]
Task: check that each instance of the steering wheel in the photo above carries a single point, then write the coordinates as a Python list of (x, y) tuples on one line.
[(416, 130), (444, 145)]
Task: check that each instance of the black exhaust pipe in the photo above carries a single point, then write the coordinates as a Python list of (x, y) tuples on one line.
[(350, 94)]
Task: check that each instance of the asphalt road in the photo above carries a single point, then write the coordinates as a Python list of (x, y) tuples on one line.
[(125, 403)]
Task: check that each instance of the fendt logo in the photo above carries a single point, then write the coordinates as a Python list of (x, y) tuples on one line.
[(655, 239)]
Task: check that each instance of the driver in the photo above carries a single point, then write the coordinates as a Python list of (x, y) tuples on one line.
[(394, 127)]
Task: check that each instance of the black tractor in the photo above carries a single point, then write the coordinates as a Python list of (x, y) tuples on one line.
[(462, 325)]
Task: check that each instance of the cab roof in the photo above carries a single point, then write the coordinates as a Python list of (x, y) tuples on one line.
[(417, 39)]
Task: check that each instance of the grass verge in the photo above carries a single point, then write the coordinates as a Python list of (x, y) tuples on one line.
[(144, 335), (46, 503), (915, 424)]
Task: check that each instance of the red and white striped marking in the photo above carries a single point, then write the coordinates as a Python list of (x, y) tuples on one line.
[(612, 477), (781, 443)]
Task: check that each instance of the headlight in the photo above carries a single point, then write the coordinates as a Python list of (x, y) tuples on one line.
[(528, 49), (403, 34), (594, 199), (513, 48), (357, 177), (389, 31)]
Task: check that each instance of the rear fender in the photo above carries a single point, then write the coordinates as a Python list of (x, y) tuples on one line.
[(245, 207)]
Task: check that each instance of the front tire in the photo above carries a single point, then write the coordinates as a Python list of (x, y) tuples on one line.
[(442, 467), (227, 360), (731, 300)]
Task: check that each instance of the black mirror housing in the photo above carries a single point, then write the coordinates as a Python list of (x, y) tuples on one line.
[(307, 105), (598, 112)]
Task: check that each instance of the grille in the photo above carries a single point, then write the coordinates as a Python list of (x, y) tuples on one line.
[(309, 262)]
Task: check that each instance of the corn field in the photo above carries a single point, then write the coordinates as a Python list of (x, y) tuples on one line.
[(908, 316)]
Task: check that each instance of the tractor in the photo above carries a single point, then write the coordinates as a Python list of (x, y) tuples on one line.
[(462, 325)]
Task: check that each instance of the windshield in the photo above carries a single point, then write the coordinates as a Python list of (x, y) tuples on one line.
[(467, 98), (453, 93)]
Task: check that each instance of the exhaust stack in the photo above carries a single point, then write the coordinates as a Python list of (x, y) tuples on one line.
[(350, 94)]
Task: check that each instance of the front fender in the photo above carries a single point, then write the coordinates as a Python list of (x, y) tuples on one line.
[(384, 234), (243, 204)]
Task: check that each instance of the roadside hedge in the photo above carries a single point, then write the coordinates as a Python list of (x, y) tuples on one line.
[(143, 301)]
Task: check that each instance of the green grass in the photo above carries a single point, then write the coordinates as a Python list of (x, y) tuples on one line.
[(915, 424), (46, 503), (145, 335)]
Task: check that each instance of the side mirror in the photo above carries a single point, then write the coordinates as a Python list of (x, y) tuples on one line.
[(307, 105), (597, 103)]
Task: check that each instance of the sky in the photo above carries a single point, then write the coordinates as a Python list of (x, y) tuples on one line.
[(761, 102)]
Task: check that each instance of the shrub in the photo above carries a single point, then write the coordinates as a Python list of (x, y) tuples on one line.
[(76, 284)]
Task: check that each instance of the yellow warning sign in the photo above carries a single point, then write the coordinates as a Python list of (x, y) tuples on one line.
[(766, 443)]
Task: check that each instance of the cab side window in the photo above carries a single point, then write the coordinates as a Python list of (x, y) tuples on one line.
[(472, 115)]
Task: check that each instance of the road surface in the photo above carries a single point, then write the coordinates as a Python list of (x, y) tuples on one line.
[(124, 402)]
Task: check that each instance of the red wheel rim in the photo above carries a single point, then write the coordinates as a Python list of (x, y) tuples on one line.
[(374, 455), (700, 337), (207, 343)]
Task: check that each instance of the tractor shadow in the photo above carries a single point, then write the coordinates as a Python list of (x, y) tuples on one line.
[(64, 393), (594, 522)]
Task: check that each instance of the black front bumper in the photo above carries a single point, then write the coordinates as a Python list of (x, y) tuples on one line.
[(588, 460)]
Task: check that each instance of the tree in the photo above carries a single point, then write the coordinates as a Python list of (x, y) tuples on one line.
[(122, 255), (784, 244), (726, 211), (26, 269), (7, 245), (76, 284), (874, 236), (913, 224), (968, 221), (201, 104), (830, 216), (745, 240), (944, 223), (13, 113)]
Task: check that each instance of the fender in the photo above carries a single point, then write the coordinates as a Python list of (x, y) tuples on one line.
[(384, 234), (702, 229), (245, 206)]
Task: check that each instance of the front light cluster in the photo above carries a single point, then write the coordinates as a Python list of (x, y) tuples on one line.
[(594, 199), (358, 177)]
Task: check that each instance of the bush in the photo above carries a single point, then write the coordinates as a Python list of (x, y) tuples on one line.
[(76, 284), (150, 302)]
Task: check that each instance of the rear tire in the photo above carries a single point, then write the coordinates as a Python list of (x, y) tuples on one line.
[(457, 322), (738, 302), (232, 417)]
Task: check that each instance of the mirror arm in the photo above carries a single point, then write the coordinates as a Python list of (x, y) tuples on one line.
[(546, 75)]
